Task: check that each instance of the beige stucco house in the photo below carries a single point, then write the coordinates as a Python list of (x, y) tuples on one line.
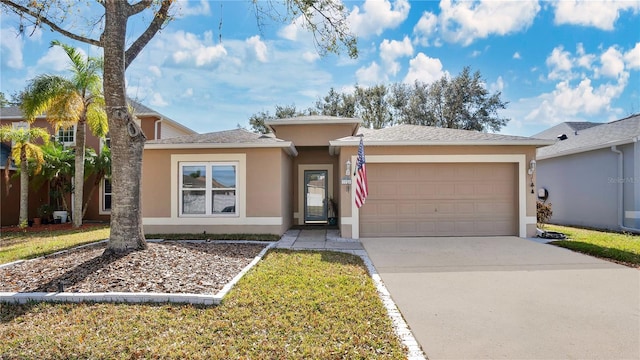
[(423, 181)]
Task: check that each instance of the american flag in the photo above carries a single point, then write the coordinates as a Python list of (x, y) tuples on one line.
[(362, 189)]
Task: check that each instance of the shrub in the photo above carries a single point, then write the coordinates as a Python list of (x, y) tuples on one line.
[(543, 212)]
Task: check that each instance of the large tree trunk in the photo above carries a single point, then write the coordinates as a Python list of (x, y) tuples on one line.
[(127, 139), (78, 183), (24, 188)]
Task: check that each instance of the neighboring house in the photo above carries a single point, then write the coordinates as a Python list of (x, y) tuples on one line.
[(423, 181), (154, 125), (592, 177)]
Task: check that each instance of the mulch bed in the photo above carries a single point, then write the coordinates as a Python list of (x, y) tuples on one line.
[(168, 267)]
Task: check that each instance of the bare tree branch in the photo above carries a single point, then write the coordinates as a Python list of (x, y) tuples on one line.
[(139, 7), (155, 26), (40, 19)]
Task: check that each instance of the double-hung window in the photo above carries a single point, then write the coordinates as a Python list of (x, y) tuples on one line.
[(67, 136), (208, 188)]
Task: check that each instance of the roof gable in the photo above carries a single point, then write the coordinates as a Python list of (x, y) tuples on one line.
[(596, 137)]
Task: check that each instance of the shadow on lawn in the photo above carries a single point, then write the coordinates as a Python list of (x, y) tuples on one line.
[(616, 255)]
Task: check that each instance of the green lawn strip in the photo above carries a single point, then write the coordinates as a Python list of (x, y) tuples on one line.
[(624, 248), (19, 245), (205, 236), (293, 305)]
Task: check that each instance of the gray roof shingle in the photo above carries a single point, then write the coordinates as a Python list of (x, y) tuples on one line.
[(416, 134), (569, 128), (235, 136), (596, 137)]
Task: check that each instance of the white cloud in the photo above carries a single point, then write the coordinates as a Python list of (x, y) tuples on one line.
[(612, 63), (370, 75), (310, 56), (497, 86), (560, 63), (192, 50), (258, 48), (377, 16), (517, 56), (424, 69), (632, 57), (476, 53), (157, 100), (599, 14), (185, 8), (465, 21), (426, 27), (584, 60), (391, 50), (155, 70), (187, 93), (290, 31), (11, 48)]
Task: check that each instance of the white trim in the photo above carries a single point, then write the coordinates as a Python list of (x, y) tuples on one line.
[(213, 221), (585, 149), (101, 209), (632, 214), (73, 130), (208, 169), (301, 169), (520, 159), (346, 220), (241, 186)]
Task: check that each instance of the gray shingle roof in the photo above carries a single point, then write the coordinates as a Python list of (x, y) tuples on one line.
[(235, 136), (568, 128), (11, 112), (604, 135), (416, 134)]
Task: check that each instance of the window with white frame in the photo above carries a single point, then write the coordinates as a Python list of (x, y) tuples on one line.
[(67, 136), (19, 125), (208, 188), (105, 184), (106, 195)]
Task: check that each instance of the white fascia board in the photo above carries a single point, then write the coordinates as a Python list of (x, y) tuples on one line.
[(585, 149), (287, 146)]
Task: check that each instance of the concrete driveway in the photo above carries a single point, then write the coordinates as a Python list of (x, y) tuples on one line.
[(510, 298)]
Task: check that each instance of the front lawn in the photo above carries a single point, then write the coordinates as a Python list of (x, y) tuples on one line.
[(16, 244), (623, 248), (293, 305)]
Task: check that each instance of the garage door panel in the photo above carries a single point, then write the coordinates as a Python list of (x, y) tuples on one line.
[(440, 199)]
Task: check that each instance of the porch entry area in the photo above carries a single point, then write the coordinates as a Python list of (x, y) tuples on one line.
[(315, 188), (315, 196)]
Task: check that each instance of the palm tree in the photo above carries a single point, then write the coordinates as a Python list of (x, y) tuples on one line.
[(67, 102), (22, 151)]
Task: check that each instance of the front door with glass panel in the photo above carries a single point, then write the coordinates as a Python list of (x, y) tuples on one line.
[(315, 196)]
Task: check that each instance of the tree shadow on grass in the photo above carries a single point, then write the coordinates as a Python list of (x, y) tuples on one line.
[(622, 257)]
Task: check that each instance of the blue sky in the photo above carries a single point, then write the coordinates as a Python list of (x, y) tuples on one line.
[(552, 61)]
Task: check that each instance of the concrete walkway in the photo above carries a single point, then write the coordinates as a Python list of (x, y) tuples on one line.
[(328, 239), (510, 298)]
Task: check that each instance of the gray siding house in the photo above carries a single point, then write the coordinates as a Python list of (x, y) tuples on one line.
[(592, 174)]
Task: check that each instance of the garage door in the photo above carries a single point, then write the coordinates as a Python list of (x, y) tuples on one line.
[(440, 199)]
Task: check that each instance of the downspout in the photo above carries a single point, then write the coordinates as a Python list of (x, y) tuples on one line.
[(620, 182)]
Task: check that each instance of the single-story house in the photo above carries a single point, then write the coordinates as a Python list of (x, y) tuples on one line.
[(591, 175), (423, 181), (153, 124)]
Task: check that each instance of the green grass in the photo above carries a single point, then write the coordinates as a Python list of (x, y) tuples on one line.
[(205, 236), (292, 305), (623, 248), (28, 245)]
